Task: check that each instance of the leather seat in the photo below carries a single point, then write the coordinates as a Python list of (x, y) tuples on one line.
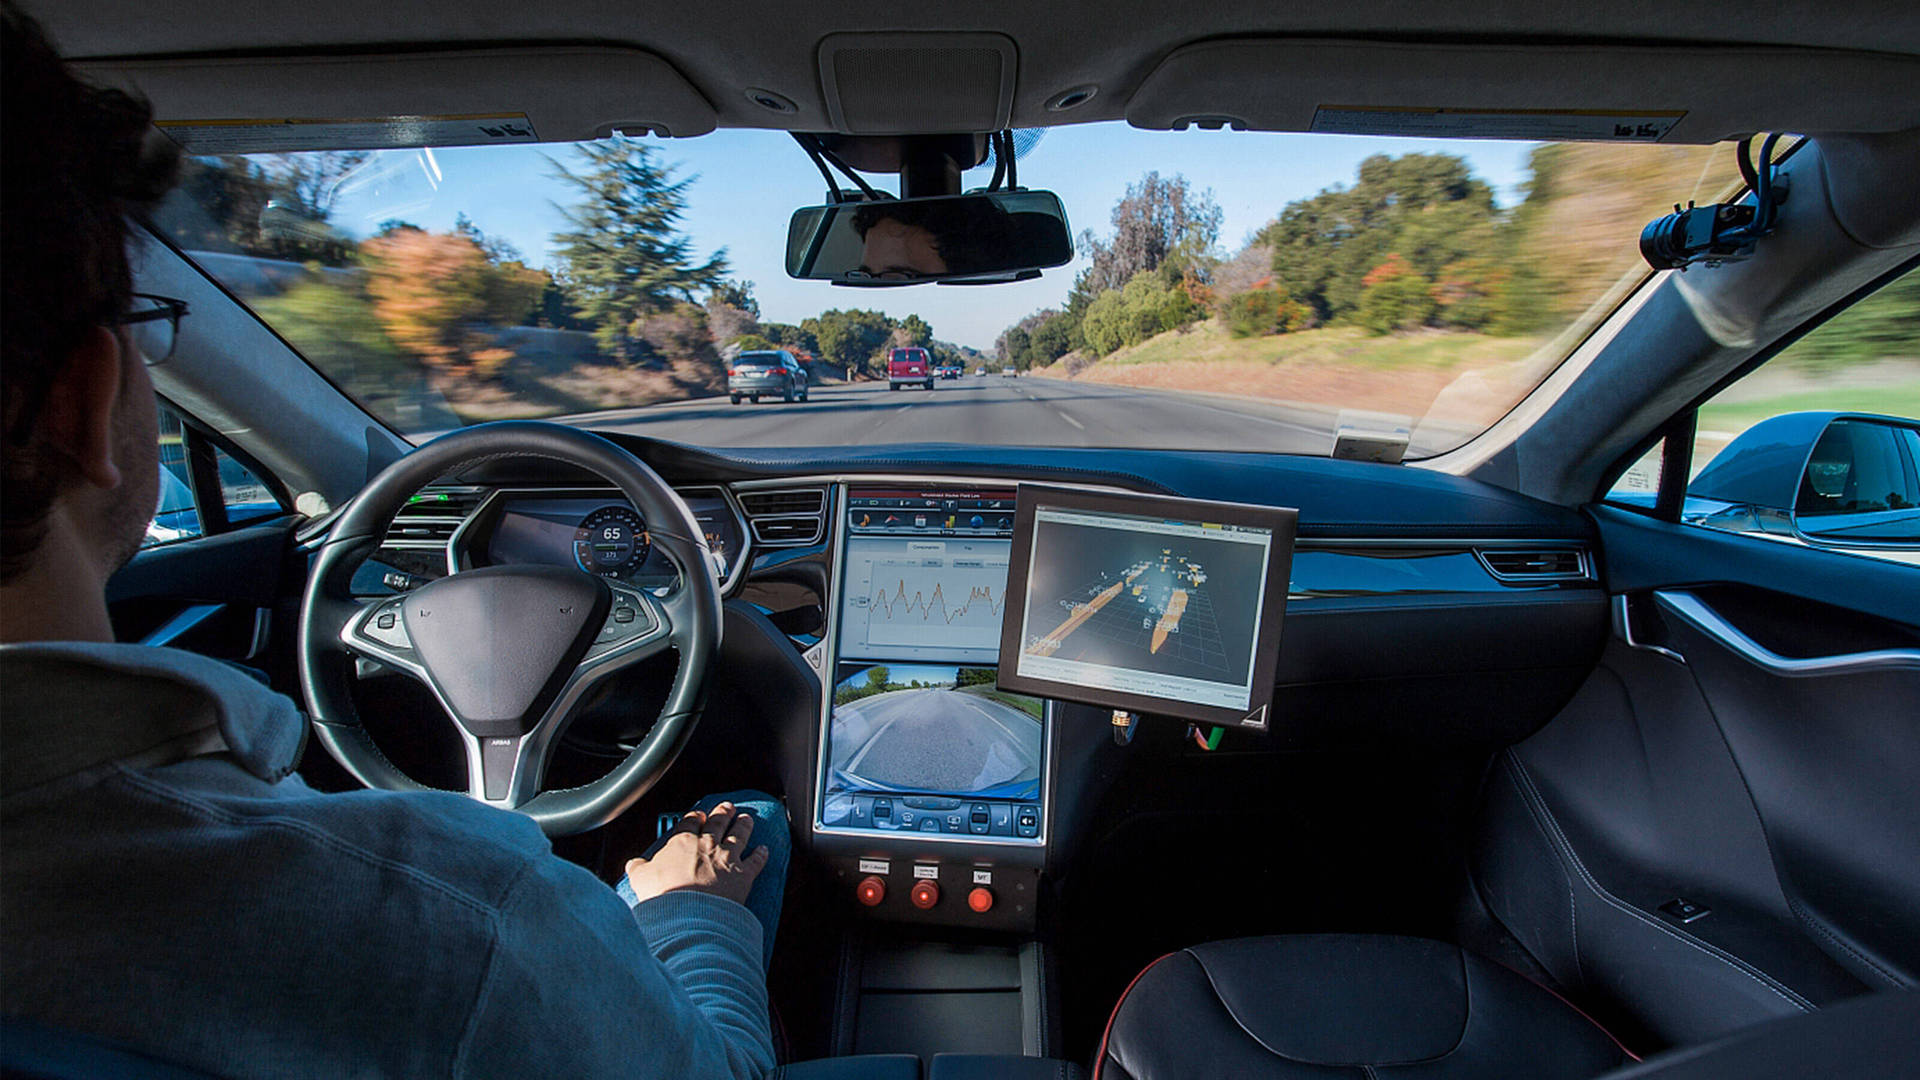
[(1333, 1005)]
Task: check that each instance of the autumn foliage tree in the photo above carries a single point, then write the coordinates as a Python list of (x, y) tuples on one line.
[(1263, 309), (439, 297), (1395, 296)]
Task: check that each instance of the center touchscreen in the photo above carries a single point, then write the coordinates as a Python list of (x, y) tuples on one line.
[(919, 737)]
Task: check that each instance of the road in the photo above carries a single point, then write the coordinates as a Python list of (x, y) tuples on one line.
[(987, 410), (941, 740)]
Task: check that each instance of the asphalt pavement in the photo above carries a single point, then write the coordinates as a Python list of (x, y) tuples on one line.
[(987, 410), (941, 740)]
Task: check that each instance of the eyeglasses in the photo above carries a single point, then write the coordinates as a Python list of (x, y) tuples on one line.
[(153, 322), (891, 277)]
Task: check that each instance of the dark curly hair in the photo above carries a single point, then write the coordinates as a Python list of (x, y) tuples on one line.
[(76, 163), (971, 235)]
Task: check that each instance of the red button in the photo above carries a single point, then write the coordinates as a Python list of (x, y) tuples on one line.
[(925, 894), (871, 890), (980, 899)]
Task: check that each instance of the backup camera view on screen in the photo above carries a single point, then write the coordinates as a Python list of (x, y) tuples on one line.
[(932, 729), (1165, 609)]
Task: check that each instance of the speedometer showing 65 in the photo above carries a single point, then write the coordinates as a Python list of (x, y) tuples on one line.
[(611, 542)]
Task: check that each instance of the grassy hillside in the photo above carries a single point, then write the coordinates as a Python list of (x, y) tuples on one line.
[(1336, 366)]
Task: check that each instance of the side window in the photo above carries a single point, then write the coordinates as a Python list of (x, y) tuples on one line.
[(245, 496), (1639, 486), (1820, 446), (192, 469), (177, 517)]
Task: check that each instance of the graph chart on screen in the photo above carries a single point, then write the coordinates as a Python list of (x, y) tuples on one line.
[(961, 605), (918, 599)]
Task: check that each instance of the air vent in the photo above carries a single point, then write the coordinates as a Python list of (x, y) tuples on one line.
[(429, 519), (788, 517), (1535, 564)]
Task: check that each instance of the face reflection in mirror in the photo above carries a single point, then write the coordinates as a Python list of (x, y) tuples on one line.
[(895, 250), (973, 237)]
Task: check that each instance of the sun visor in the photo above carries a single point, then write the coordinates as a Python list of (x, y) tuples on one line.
[(1550, 93), (914, 83), (366, 102)]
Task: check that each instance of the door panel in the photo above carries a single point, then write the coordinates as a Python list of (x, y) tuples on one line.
[(224, 596), (1829, 745), (1747, 745)]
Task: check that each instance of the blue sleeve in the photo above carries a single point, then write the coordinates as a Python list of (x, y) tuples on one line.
[(574, 988)]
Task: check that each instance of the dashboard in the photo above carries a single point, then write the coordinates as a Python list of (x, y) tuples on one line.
[(1422, 609), (866, 593)]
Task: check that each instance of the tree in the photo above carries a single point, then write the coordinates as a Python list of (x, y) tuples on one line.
[(623, 254), (1015, 346), (1157, 222), (1148, 305), (1394, 296), (851, 338), (436, 293), (793, 337), (1428, 208), (1263, 311), (1471, 294), (878, 675), (737, 294), (916, 330), (1055, 335), (494, 248)]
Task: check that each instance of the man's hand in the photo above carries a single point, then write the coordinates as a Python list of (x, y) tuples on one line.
[(706, 853)]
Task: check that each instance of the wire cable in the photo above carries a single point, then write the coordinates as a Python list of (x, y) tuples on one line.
[(813, 154)]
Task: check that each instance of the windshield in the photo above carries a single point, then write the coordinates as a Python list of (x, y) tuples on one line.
[(1229, 290)]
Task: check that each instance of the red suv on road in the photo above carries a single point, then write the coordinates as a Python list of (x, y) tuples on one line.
[(909, 365)]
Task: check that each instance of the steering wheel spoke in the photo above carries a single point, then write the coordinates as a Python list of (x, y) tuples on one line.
[(378, 632)]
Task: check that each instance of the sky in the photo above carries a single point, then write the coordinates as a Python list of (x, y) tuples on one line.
[(746, 185), (905, 673)]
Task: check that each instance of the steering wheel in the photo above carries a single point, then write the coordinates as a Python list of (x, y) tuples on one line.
[(511, 651)]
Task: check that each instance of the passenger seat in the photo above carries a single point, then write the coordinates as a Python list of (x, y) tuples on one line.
[(1331, 1005)]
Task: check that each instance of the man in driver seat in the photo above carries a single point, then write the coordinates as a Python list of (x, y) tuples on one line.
[(170, 884)]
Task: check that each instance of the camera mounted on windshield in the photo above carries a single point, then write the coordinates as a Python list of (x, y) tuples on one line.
[(1720, 232)]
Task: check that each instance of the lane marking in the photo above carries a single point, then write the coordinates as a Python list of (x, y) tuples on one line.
[(980, 707), (1070, 420)]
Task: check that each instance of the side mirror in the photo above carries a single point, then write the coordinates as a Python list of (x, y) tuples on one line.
[(982, 238), (1861, 484)]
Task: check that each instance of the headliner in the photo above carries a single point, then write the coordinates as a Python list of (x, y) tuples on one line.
[(722, 49)]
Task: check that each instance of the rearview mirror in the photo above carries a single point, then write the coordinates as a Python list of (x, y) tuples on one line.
[(958, 239)]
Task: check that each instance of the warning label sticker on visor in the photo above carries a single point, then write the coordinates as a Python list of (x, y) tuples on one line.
[(1542, 125)]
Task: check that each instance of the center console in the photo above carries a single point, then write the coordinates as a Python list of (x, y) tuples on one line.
[(933, 792), (935, 765), (933, 800)]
